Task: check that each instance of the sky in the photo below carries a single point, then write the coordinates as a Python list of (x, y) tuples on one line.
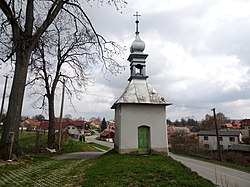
[(199, 58)]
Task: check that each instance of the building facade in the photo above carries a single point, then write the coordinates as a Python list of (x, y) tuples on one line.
[(208, 139)]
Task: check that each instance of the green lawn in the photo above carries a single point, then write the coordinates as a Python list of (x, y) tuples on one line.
[(27, 145), (111, 169)]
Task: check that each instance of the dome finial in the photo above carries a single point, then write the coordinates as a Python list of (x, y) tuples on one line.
[(138, 45), (137, 22)]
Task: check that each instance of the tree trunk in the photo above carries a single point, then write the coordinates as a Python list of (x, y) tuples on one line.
[(15, 104), (51, 134)]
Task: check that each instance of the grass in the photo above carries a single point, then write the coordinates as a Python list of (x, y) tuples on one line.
[(113, 169), (27, 148), (76, 146), (27, 142)]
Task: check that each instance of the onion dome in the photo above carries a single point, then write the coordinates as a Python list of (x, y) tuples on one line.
[(138, 45)]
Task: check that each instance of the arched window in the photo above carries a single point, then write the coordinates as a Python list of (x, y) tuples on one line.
[(138, 69)]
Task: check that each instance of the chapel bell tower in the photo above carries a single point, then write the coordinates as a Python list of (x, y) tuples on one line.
[(140, 112)]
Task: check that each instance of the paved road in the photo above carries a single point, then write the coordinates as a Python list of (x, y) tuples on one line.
[(86, 155), (219, 175), (93, 139)]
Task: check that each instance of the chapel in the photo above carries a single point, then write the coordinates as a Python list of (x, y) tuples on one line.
[(140, 112)]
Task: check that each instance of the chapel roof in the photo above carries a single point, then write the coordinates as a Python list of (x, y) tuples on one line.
[(140, 92)]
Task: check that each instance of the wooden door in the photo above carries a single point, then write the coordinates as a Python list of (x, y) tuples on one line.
[(143, 140)]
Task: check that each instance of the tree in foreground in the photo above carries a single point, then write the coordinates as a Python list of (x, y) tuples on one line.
[(23, 23), (66, 54)]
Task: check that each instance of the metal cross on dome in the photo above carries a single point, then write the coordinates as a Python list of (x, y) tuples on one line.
[(137, 22)]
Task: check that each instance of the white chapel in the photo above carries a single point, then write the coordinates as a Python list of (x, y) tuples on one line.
[(140, 112)]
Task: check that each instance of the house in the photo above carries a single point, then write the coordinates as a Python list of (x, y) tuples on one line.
[(208, 139), (245, 124), (107, 135), (30, 124), (193, 129), (73, 131), (233, 125), (173, 129), (95, 124), (74, 127)]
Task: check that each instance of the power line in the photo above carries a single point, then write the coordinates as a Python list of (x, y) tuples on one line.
[(229, 113), (97, 95), (206, 108), (191, 106), (177, 105)]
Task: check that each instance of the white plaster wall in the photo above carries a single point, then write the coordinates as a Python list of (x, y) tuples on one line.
[(212, 141), (73, 129), (130, 116), (117, 128)]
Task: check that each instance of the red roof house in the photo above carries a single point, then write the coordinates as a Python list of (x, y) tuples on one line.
[(45, 124), (245, 122)]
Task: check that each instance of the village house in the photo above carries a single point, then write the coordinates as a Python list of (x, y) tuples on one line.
[(29, 125), (245, 124), (173, 129), (75, 128), (208, 139), (193, 129), (107, 135), (95, 125)]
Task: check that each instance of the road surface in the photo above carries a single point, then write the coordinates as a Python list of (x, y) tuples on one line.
[(219, 175), (93, 139)]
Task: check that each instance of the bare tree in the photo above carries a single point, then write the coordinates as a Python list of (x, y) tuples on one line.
[(67, 52), (39, 117), (208, 122), (22, 25)]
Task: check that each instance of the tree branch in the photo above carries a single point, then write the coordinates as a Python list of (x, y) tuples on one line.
[(52, 13), (29, 17)]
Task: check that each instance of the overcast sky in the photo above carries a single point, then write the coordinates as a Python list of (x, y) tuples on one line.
[(199, 57)]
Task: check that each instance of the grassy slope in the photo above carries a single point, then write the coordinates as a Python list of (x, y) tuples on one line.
[(113, 169), (27, 145)]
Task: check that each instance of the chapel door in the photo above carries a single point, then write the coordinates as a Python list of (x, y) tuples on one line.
[(143, 140)]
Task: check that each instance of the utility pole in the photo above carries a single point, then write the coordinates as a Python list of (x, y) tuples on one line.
[(4, 92), (61, 114), (217, 135)]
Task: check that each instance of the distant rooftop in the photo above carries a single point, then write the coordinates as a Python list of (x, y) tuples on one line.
[(221, 133)]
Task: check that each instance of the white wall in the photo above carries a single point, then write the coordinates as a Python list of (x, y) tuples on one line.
[(130, 116), (72, 129), (212, 141)]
